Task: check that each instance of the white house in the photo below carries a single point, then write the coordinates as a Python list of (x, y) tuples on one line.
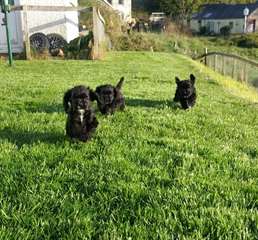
[(124, 7), (64, 23), (216, 16)]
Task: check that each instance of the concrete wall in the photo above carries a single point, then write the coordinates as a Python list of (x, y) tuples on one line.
[(216, 25), (254, 17), (123, 6), (16, 33), (63, 23)]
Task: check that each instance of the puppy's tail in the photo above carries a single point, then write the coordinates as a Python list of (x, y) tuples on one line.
[(120, 83)]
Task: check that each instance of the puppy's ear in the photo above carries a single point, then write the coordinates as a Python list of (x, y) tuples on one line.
[(192, 79), (177, 80), (120, 84), (93, 95), (67, 100)]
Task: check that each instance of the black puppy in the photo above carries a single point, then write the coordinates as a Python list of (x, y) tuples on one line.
[(110, 98), (186, 92), (81, 121)]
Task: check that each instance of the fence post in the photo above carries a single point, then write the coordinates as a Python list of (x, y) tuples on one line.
[(205, 58), (247, 74), (215, 62), (223, 65), (95, 33), (245, 77), (234, 68), (26, 33)]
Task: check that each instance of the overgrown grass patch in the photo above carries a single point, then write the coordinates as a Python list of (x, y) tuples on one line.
[(153, 171)]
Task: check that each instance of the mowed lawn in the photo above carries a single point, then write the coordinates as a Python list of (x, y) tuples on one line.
[(153, 171)]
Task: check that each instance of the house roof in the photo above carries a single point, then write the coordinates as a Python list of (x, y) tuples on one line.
[(224, 11)]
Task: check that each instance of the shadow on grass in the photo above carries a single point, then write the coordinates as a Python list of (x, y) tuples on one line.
[(20, 138), (136, 102)]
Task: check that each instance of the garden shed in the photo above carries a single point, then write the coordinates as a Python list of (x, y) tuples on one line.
[(38, 16)]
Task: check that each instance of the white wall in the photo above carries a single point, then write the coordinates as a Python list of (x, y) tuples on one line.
[(15, 28), (63, 23), (238, 25), (125, 8)]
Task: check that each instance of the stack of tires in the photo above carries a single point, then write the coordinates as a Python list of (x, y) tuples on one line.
[(53, 43)]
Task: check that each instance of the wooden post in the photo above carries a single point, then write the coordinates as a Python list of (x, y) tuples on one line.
[(26, 33), (234, 68), (223, 65), (205, 58), (95, 34), (245, 73), (215, 62)]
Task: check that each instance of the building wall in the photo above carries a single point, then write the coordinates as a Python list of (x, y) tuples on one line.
[(15, 28), (123, 6), (216, 25), (63, 23), (254, 17)]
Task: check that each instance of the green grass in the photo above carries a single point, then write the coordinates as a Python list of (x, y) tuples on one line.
[(192, 46), (153, 171)]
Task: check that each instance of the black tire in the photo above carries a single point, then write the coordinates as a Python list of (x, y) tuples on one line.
[(56, 42), (39, 42)]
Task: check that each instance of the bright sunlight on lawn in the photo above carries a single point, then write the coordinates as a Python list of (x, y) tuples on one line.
[(153, 171)]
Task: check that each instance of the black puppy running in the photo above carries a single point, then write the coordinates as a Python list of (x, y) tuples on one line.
[(81, 121), (110, 98), (186, 92)]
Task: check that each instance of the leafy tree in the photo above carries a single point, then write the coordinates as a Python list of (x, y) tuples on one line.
[(183, 9), (179, 10), (146, 5)]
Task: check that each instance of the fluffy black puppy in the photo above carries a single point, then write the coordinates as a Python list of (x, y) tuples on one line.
[(110, 98), (81, 121), (186, 92)]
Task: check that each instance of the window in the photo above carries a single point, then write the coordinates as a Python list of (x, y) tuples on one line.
[(231, 24), (121, 2)]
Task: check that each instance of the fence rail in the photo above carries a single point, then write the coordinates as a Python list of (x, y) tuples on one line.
[(239, 68)]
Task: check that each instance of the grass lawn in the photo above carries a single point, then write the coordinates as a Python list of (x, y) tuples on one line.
[(151, 172)]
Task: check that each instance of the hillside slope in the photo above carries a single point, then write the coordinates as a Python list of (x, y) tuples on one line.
[(153, 171)]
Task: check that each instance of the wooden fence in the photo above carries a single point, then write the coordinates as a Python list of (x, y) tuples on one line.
[(237, 67)]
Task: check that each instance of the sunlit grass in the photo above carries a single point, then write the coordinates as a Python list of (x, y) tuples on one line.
[(153, 171)]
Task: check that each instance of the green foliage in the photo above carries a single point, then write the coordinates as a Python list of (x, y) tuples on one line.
[(203, 30), (246, 41), (179, 10), (78, 45), (225, 31), (138, 42), (151, 172), (188, 45), (147, 5)]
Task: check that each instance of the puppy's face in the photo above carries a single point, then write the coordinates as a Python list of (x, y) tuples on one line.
[(185, 87), (80, 99), (106, 94)]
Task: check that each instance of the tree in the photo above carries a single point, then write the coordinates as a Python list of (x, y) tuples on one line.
[(180, 10), (183, 9), (146, 5)]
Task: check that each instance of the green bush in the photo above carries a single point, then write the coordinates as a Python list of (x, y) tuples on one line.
[(203, 30), (247, 41), (137, 42), (225, 31)]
